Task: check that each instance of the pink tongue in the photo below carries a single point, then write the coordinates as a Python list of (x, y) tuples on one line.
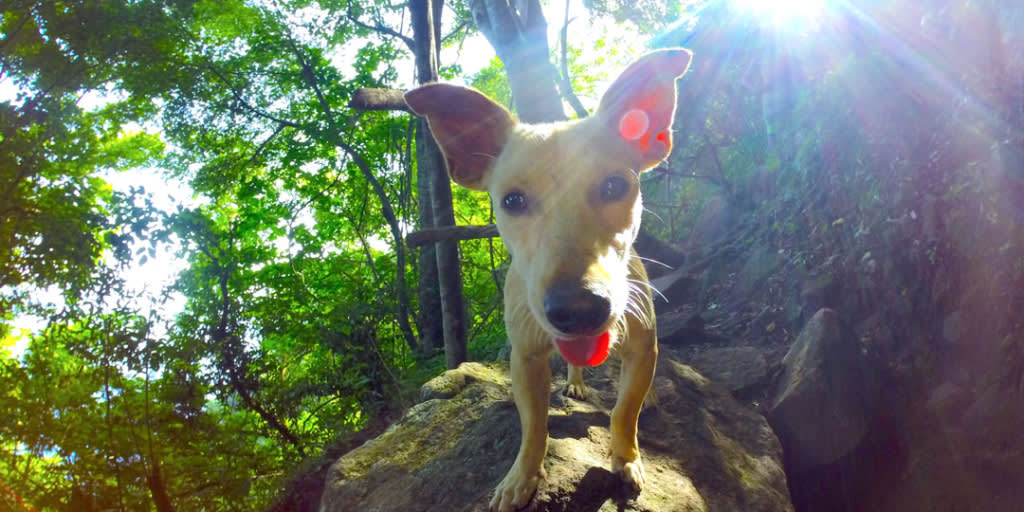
[(585, 350)]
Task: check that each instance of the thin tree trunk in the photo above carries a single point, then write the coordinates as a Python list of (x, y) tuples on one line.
[(431, 314), (158, 489), (432, 168), (431, 326), (155, 479)]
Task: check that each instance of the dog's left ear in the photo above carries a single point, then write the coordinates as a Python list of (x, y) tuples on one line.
[(640, 105)]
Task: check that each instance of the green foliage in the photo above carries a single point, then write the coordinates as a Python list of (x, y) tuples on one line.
[(493, 82), (288, 339), (58, 213)]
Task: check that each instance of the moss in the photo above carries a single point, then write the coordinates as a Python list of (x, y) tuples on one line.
[(431, 428)]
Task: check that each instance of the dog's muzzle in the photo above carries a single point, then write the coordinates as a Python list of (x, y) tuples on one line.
[(575, 310)]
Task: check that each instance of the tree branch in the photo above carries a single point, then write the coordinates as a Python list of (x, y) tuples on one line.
[(724, 183), (334, 137), (238, 97), (373, 98), (455, 31), (457, 233), (234, 364), (380, 28)]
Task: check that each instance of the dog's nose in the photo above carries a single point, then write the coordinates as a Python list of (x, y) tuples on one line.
[(573, 309)]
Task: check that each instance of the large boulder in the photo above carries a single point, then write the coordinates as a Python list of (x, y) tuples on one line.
[(822, 407), (702, 450), (739, 368)]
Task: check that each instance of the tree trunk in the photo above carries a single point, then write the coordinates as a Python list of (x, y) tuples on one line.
[(425, 15), (518, 32), (158, 489), (429, 319)]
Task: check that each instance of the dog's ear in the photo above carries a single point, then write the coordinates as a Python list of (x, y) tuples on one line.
[(640, 104), (470, 128)]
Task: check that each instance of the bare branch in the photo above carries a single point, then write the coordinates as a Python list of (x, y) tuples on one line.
[(380, 28), (372, 98), (457, 233), (263, 145), (455, 31), (722, 181), (249, 107)]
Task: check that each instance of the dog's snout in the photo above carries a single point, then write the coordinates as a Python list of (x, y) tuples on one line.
[(573, 309)]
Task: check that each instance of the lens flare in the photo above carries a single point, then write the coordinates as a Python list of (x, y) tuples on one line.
[(781, 12)]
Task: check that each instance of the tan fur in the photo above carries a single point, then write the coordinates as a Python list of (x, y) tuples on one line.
[(569, 231)]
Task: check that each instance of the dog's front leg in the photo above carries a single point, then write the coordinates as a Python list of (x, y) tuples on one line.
[(531, 385), (639, 356), (574, 387)]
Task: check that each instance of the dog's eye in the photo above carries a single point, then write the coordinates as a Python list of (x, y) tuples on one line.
[(514, 202), (614, 187)]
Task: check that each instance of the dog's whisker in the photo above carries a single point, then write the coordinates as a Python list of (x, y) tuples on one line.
[(655, 215), (652, 260), (635, 303), (649, 286), (641, 314)]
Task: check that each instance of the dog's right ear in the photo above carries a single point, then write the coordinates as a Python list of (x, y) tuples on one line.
[(470, 128)]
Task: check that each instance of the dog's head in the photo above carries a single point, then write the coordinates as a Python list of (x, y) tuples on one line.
[(566, 195)]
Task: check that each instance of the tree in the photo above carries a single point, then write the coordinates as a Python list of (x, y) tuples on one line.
[(299, 364), (518, 33), (426, 24), (58, 214)]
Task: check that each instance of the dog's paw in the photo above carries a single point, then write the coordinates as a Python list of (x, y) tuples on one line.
[(577, 391), (632, 473), (515, 490)]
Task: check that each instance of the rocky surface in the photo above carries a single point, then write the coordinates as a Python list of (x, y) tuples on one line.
[(703, 451), (822, 404)]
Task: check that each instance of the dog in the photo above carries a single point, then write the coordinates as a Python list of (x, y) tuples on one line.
[(568, 209)]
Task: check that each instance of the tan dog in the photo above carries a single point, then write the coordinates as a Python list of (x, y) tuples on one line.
[(568, 210)]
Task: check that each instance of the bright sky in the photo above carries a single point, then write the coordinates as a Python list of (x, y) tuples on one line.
[(152, 277)]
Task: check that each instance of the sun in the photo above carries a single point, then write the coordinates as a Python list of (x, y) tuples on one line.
[(785, 12)]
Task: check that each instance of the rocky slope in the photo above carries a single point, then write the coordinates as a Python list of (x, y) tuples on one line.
[(703, 450)]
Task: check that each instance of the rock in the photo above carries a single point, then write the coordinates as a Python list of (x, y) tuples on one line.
[(759, 266), (680, 329), (819, 407), (948, 400), (715, 220), (673, 289), (702, 451), (875, 334), (954, 331), (738, 368), (665, 255), (819, 290), (450, 383)]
